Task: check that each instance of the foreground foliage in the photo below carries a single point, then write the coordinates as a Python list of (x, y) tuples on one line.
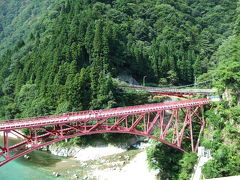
[(223, 139), (222, 135), (172, 163)]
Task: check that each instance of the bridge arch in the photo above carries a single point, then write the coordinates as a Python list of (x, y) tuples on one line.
[(32, 146), (170, 123)]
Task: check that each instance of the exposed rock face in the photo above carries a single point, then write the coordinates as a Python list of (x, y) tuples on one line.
[(229, 95), (78, 152), (238, 97), (63, 151), (128, 79)]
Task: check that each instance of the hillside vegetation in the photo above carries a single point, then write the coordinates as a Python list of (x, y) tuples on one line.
[(65, 62), (224, 119), (18, 18)]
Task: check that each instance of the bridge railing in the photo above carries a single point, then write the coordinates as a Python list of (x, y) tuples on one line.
[(114, 111), (157, 89)]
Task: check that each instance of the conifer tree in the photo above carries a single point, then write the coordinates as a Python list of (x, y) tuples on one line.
[(197, 67)]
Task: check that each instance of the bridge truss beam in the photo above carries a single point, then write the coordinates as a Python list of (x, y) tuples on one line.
[(178, 127)]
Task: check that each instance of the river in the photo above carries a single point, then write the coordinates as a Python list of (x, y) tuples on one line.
[(42, 164), (37, 167)]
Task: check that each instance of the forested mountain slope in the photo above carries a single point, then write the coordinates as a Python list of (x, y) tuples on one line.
[(67, 61), (224, 119), (18, 18), (221, 134)]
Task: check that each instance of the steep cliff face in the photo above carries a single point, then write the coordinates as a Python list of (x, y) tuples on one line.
[(231, 96), (228, 95)]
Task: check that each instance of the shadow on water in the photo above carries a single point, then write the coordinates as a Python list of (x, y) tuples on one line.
[(41, 159), (37, 157)]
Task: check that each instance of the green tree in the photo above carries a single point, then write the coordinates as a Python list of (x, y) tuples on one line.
[(187, 164), (166, 159), (225, 162)]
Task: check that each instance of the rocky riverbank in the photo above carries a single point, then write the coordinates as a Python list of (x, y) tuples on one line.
[(84, 153), (109, 163), (105, 162), (102, 162)]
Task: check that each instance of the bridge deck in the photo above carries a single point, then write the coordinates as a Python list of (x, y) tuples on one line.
[(170, 90), (95, 114)]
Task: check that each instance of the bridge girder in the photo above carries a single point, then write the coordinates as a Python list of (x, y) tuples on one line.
[(176, 126)]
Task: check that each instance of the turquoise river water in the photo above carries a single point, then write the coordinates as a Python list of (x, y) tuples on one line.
[(35, 168)]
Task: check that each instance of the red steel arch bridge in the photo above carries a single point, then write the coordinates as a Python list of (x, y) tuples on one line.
[(176, 124)]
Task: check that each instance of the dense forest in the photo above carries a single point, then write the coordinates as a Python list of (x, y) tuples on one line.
[(19, 18), (67, 61), (223, 124), (63, 56)]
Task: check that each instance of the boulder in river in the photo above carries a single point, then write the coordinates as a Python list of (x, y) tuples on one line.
[(75, 176), (56, 174), (26, 156)]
